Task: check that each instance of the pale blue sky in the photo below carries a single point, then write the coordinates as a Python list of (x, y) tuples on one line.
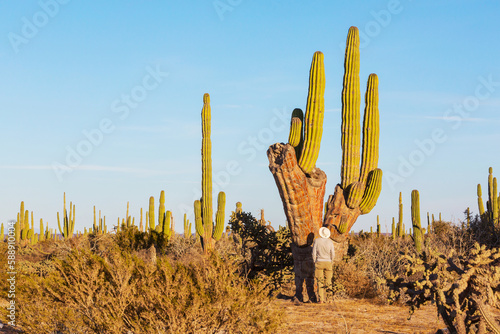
[(68, 66)]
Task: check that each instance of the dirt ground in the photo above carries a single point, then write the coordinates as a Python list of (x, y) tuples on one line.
[(357, 316), (348, 316)]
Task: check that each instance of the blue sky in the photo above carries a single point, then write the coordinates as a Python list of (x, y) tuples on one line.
[(122, 83)]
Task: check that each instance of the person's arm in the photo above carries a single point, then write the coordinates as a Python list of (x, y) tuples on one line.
[(314, 251), (332, 251)]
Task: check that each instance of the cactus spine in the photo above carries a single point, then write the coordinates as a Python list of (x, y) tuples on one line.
[(415, 218), (68, 226)]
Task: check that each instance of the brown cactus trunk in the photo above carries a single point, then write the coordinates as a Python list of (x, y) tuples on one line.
[(302, 196)]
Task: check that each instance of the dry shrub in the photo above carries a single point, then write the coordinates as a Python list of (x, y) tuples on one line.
[(118, 292), (349, 281)]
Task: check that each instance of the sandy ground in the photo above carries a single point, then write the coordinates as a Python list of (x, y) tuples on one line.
[(357, 316)]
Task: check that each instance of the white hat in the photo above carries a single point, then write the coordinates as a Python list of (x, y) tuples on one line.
[(324, 232)]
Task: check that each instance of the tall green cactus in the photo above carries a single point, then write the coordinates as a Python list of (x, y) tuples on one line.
[(42, 235), (492, 211), (415, 218), (378, 226), (68, 226), (393, 235), (164, 218), (400, 228), (206, 176), (204, 216), (151, 213)]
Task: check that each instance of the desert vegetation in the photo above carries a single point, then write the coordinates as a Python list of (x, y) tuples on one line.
[(239, 274)]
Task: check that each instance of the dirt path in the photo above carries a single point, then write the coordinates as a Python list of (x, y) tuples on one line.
[(357, 316)]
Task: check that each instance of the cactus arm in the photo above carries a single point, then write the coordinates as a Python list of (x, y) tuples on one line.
[(219, 216), (59, 225), (295, 132), (198, 220), (161, 211), (313, 123), (350, 139), (296, 136), (167, 232), (393, 229), (371, 128), (372, 191), (71, 226), (494, 202)]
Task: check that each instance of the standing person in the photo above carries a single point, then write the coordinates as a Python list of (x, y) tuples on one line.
[(323, 254)]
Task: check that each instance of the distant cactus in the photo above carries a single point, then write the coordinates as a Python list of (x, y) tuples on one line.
[(99, 226), (415, 218), (68, 226), (492, 211), (164, 218), (151, 213), (378, 227), (393, 229), (400, 228), (187, 227), (42, 235), (239, 207)]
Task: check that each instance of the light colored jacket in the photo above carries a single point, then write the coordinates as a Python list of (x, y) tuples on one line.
[(323, 250)]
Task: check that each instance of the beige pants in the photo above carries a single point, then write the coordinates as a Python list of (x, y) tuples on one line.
[(323, 273)]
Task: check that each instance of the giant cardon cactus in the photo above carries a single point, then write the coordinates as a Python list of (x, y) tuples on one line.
[(302, 185), (203, 208)]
